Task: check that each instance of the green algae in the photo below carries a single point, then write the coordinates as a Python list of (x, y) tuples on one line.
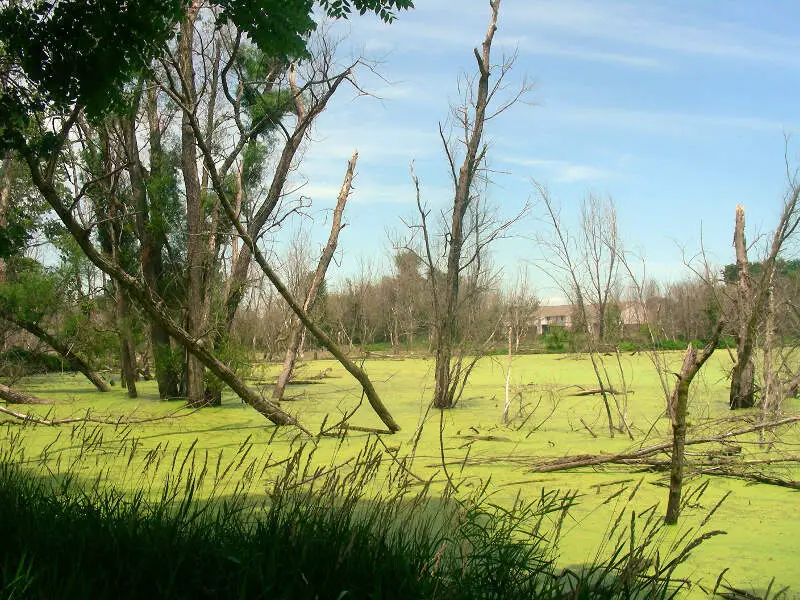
[(762, 533)]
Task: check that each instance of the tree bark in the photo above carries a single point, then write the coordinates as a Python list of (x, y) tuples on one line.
[(5, 199), (151, 236), (742, 392), (195, 218), (15, 397), (679, 404), (127, 355), (111, 242), (508, 378), (75, 361), (296, 335)]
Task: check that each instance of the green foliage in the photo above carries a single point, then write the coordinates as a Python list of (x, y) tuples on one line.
[(628, 347), (670, 344), (253, 160), (78, 52), (30, 291), (343, 8), (556, 338), (79, 328), (169, 364), (84, 52), (264, 105), (32, 361), (783, 268), (16, 233), (236, 357)]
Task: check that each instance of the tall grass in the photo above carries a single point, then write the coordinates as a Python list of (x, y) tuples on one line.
[(195, 526)]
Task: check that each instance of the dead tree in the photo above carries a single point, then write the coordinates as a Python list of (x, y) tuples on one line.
[(296, 334), (752, 300), (470, 118), (16, 397), (446, 327), (679, 404), (195, 219), (742, 392)]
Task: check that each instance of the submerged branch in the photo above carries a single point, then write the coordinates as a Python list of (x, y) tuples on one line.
[(29, 418)]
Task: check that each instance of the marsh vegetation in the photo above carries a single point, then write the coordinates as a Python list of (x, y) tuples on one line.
[(588, 521)]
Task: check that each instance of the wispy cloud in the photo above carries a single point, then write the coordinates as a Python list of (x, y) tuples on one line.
[(584, 53), (633, 34), (646, 25), (562, 171), (669, 123)]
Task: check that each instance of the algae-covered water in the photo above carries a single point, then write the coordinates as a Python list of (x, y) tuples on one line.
[(469, 444)]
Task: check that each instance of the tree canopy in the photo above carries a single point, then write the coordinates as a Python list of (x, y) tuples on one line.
[(65, 52)]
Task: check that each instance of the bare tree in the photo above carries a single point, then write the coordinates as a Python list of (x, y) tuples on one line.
[(600, 245), (468, 231), (585, 270), (296, 333), (521, 306), (679, 403)]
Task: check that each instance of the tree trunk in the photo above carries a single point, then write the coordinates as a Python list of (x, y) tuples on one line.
[(195, 218), (679, 404), (508, 378), (772, 394), (5, 200), (151, 236), (742, 392), (447, 326), (296, 335), (75, 361), (127, 354), (111, 245)]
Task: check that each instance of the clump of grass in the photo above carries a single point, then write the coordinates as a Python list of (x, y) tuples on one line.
[(289, 529)]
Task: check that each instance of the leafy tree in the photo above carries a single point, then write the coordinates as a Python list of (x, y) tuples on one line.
[(33, 298), (66, 59), (86, 51)]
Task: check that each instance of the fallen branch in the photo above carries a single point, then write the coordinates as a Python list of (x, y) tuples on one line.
[(594, 391), (751, 476), (485, 438), (28, 418), (589, 429), (348, 427), (590, 460)]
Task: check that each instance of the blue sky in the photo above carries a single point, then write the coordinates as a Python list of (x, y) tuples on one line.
[(678, 110)]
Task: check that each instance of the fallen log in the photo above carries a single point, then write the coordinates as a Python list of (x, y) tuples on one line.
[(591, 460), (16, 397)]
